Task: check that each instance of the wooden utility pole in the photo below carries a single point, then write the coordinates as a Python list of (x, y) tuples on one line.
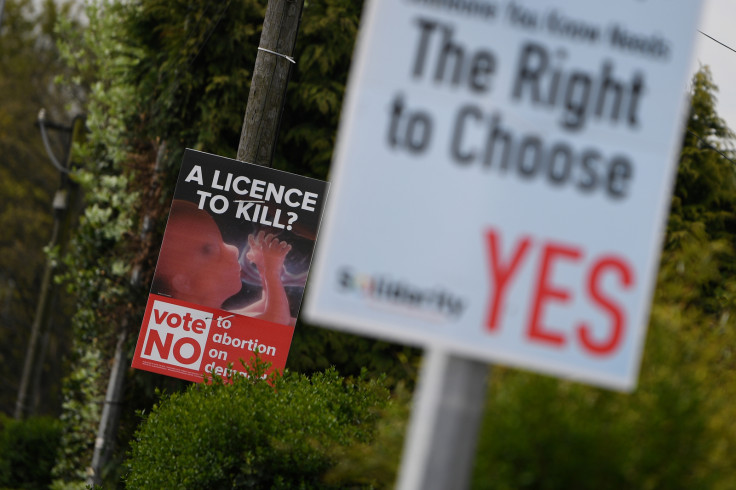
[(270, 77)]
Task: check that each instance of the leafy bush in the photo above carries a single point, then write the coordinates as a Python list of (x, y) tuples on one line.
[(284, 434), (27, 451)]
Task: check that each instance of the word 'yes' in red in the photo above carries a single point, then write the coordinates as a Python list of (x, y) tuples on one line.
[(503, 270)]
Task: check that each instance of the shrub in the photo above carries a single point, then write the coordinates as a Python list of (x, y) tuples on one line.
[(248, 434), (27, 451)]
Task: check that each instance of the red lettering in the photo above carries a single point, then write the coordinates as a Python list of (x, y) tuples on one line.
[(546, 292), (501, 274), (601, 340), (198, 326), (159, 316), (174, 320), (196, 350), (187, 320), (188, 323), (154, 340), (609, 345)]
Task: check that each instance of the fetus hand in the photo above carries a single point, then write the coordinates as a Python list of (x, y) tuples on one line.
[(267, 252)]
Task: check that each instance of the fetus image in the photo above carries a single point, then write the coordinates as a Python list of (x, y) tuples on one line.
[(196, 265)]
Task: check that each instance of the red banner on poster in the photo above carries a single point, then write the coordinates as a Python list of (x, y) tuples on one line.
[(191, 342)]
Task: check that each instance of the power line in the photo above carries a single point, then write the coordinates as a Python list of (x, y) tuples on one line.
[(711, 147), (716, 40)]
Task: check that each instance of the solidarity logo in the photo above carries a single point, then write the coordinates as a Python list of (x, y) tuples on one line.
[(409, 298), (176, 335)]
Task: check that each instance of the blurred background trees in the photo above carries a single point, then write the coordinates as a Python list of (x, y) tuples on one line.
[(155, 77)]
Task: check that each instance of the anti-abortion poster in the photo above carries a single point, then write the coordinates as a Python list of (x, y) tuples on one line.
[(232, 268), (502, 177)]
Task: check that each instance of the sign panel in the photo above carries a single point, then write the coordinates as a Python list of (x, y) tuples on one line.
[(502, 179), (232, 268)]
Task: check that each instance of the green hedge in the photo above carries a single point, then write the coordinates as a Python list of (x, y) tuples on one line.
[(27, 451), (254, 435)]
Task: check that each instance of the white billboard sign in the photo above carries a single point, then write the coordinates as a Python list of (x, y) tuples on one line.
[(502, 179)]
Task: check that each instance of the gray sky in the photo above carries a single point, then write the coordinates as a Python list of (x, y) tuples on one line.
[(718, 21)]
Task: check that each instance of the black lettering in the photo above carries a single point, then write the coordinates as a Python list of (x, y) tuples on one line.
[(530, 145), (408, 129), (528, 154), (609, 87), (498, 135), (449, 62), (418, 131), (542, 79), (589, 160), (532, 64), (346, 279), (482, 66), (452, 52), (619, 175), (396, 110), (576, 100), (457, 135), (559, 164), (425, 27), (637, 86)]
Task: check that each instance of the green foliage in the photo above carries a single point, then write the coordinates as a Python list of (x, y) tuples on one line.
[(542, 433), (81, 408), (375, 464), (250, 434), (705, 183), (27, 451), (193, 72), (316, 349), (676, 430), (323, 52)]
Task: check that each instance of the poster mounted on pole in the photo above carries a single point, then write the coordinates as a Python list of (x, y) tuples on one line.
[(502, 179), (232, 268)]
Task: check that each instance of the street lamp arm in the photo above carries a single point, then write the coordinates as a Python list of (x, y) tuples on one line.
[(46, 144)]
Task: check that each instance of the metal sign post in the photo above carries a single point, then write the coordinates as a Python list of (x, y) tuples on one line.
[(439, 448)]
